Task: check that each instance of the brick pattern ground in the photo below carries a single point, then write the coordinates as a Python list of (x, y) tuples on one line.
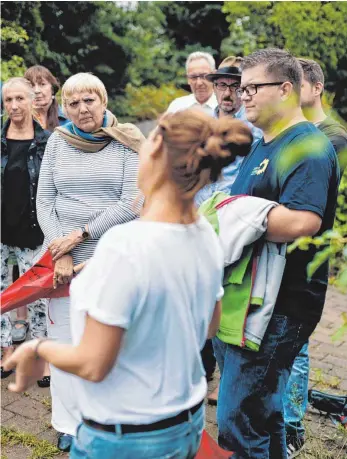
[(31, 412)]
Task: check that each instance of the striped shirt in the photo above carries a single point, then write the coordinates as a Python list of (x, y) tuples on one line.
[(78, 188)]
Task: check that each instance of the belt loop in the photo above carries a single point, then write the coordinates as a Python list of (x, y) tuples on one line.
[(190, 417), (118, 429)]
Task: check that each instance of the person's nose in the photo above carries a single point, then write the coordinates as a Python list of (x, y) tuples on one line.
[(83, 107), (200, 81), (37, 88), (245, 96), (14, 105)]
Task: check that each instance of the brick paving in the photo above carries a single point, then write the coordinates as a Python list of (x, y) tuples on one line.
[(30, 412)]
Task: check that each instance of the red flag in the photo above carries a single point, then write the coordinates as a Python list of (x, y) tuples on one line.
[(210, 450), (34, 284)]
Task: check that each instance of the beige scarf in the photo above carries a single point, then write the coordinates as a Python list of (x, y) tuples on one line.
[(127, 134)]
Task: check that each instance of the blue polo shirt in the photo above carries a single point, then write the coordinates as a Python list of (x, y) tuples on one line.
[(298, 169)]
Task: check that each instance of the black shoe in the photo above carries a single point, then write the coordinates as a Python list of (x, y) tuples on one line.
[(64, 442), (5, 374), (44, 382)]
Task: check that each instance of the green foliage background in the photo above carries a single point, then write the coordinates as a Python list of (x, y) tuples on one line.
[(132, 45)]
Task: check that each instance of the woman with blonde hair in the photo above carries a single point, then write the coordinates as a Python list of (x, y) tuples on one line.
[(145, 303), (87, 185)]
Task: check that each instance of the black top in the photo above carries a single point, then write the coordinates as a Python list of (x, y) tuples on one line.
[(337, 134), (308, 181), (16, 225)]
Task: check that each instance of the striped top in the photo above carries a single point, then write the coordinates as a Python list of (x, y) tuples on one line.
[(78, 188)]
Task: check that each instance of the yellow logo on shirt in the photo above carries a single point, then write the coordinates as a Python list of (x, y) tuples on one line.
[(261, 168)]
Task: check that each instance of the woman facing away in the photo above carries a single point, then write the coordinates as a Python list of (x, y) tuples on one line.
[(87, 185), (145, 303), (46, 108)]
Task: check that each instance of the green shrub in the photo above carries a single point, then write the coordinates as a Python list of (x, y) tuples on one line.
[(145, 102)]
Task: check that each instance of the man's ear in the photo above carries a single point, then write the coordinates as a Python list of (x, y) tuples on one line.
[(286, 90), (318, 89)]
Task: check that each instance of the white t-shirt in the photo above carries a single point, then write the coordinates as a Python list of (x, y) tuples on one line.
[(182, 103), (160, 282)]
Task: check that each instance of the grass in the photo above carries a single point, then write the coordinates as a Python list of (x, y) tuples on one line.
[(324, 382), (40, 449), (324, 442)]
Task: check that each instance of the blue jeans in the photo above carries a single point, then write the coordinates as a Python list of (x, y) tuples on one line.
[(296, 396), (250, 402), (177, 442)]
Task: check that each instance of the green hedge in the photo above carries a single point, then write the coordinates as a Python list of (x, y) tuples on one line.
[(145, 102)]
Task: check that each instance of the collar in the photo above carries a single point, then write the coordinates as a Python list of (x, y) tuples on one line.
[(211, 102), (39, 133)]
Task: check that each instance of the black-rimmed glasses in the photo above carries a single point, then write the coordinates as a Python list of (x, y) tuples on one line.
[(223, 86), (252, 89)]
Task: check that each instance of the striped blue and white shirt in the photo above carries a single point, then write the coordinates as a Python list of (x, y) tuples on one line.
[(78, 188)]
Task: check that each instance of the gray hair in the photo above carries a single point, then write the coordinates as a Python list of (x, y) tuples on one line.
[(201, 55), (19, 81), (279, 63)]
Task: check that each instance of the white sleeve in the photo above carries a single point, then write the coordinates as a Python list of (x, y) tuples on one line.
[(108, 287)]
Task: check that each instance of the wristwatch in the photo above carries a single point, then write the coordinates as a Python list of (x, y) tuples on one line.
[(85, 234)]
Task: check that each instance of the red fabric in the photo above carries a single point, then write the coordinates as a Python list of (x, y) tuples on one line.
[(210, 450), (34, 284)]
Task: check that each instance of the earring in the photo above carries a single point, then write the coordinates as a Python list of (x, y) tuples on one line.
[(53, 97)]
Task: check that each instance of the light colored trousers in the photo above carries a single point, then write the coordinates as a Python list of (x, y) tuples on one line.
[(65, 413), (37, 311)]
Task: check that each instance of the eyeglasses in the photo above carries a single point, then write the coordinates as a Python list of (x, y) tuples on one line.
[(252, 89), (195, 77), (223, 86)]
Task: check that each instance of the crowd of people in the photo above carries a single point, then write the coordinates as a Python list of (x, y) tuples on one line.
[(159, 291)]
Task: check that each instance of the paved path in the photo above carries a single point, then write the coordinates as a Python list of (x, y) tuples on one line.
[(30, 413)]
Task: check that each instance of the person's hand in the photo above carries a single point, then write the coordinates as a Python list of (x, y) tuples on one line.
[(65, 244), (63, 271), (29, 368)]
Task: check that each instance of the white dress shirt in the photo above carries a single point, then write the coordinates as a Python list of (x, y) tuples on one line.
[(182, 103)]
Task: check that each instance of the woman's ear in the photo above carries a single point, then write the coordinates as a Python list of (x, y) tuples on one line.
[(157, 145)]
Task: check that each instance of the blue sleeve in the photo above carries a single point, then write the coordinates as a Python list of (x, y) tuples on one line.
[(305, 185)]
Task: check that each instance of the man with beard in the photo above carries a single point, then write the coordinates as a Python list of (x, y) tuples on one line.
[(226, 81)]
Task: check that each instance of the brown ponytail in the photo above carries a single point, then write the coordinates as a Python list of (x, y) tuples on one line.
[(199, 147)]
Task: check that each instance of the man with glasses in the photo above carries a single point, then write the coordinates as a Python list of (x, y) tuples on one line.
[(295, 165), (198, 65), (226, 81)]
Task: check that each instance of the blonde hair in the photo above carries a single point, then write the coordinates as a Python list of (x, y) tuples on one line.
[(199, 147), (15, 81), (83, 82)]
